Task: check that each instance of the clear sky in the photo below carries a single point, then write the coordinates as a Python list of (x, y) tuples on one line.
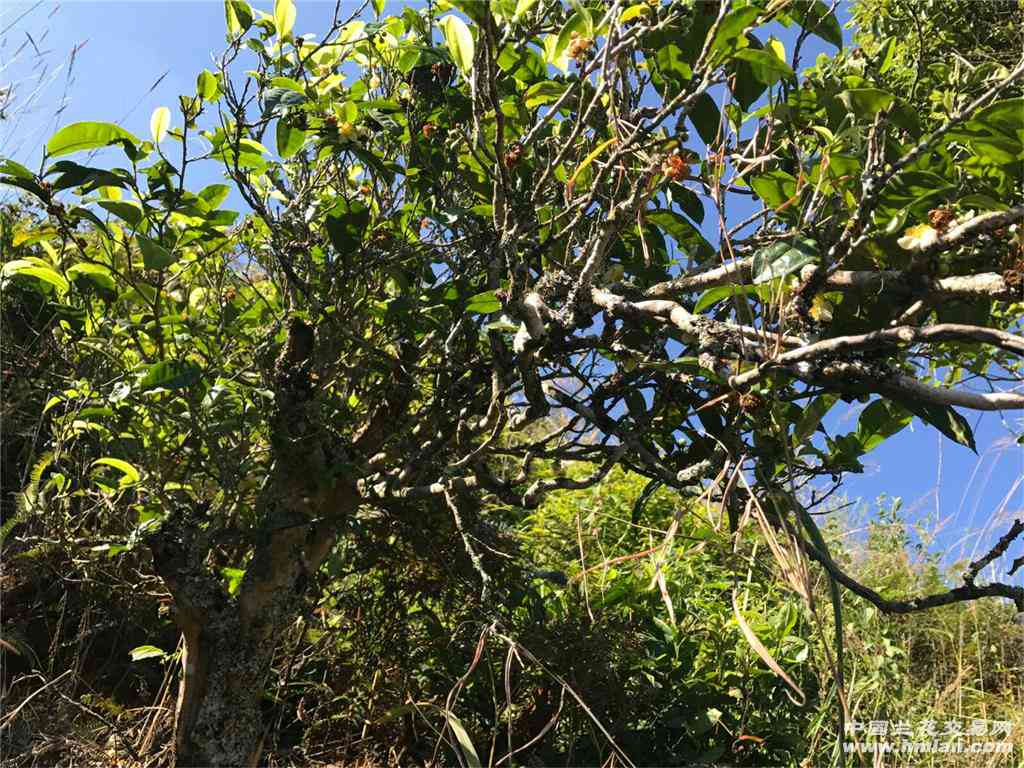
[(86, 60)]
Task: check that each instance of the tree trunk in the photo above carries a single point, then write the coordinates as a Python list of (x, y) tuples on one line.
[(218, 721), (230, 642)]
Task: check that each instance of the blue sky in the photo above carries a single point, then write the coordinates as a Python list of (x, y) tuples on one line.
[(121, 49)]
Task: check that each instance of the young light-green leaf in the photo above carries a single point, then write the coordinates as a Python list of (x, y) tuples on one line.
[(159, 123), (79, 136), (238, 16), (214, 194), (483, 303), (460, 43), (523, 7), (206, 85), (146, 652), (38, 271), (130, 475), (284, 17)]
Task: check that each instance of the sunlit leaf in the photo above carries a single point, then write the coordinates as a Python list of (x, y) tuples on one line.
[(459, 40), (775, 188), (130, 475), (284, 17), (40, 272), (879, 421), (523, 7), (79, 136), (206, 85), (159, 122), (142, 652), (238, 16), (483, 303)]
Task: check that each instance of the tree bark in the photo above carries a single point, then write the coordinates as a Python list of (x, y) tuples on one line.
[(230, 641)]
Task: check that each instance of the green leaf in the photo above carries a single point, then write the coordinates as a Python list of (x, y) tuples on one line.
[(879, 421), (206, 85), (781, 259), (289, 139), (476, 10), (706, 118), (811, 417), (214, 194), (284, 17), (866, 102), (128, 211), (1002, 119), (159, 122), (483, 303), (146, 652), (238, 16), (946, 420), (170, 374), (234, 578), (815, 17), (249, 155), (17, 170), (465, 743), (686, 235), (25, 268), (588, 160), (345, 226), (523, 7), (154, 255), (633, 12), (732, 28), (79, 136), (712, 296), (460, 43), (766, 66), (774, 187), (673, 68), (690, 203), (544, 92), (98, 275), (886, 55), (130, 475), (668, 632)]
